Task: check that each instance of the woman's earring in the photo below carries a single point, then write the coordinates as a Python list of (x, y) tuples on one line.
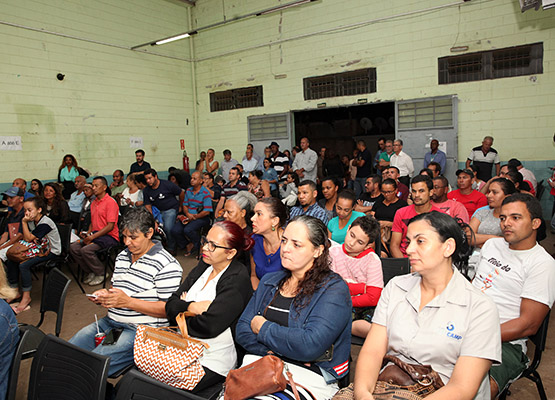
[(273, 228)]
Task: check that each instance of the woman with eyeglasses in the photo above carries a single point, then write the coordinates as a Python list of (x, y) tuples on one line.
[(345, 205), (217, 290)]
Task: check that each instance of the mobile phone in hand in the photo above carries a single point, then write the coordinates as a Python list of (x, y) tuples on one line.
[(112, 336)]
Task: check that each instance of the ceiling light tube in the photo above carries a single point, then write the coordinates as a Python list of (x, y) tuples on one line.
[(283, 7), (171, 39)]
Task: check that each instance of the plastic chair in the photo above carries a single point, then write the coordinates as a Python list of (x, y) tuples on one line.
[(108, 256), (531, 372), (29, 340), (136, 385), (61, 370), (54, 296)]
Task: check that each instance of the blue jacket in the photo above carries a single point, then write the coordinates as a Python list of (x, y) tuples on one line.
[(9, 336), (326, 320)]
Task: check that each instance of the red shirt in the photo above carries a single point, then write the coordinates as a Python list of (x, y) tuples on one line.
[(103, 211), (401, 220), (471, 202)]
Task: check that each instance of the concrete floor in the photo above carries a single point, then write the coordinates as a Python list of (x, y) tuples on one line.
[(79, 311)]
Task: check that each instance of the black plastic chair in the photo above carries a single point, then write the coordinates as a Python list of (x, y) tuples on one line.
[(54, 296), (29, 340), (61, 370), (138, 386), (108, 257), (531, 372)]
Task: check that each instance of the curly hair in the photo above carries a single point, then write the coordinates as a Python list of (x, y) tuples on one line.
[(320, 272), (73, 161)]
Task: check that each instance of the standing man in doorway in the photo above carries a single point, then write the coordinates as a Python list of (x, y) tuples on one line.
[(364, 166), (484, 157), (305, 162), (435, 155), (402, 161), (281, 162), (140, 165)]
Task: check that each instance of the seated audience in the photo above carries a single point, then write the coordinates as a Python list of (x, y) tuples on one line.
[(13, 231), (270, 175), (402, 189), (67, 173), (117, 186), (102, 233), (519, 276), (307, 200), (57, 208), (85, 216), (419, 315), (330, 188), (338, 226), (41, 237), (301, 313), (227, 163), (260, 188), (249, 162), (270, 215), (217, 291), (196, 206), (435, 168), (76, 200), (305, 161), (22, 184), (450, 207), (289, 190), (239, 209), (371, 194), (209, 164), (145, 275), (182, 177), (10, 333), (421, 192), (131, 196), (471, 199), (229, 189), (243, 178), (427, 172), (141, 181), (526, 173), (140, 165), (214, 189), (200, 160), (477, 183), (36, 187), (359, 265)]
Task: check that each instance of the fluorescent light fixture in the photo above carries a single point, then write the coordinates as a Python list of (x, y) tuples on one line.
[(171, 39), (284, 6)]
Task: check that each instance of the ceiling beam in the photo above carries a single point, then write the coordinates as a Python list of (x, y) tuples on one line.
[(190, 2)]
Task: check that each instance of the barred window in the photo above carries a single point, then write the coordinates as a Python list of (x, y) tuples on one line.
[(341, 84), (492, 64), (236, 98)]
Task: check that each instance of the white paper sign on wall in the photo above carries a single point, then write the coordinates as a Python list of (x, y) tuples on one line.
[(135, 142), (10, 143)]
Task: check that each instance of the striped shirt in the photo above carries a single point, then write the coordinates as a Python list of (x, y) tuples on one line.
[(198, 202), (153, 277), (314, 211)]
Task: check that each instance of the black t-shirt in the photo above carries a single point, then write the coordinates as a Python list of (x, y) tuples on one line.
[(368, 200), (366, 169), (164, 197), (278, 310), (135, 167), (387, 213), (13, 223)]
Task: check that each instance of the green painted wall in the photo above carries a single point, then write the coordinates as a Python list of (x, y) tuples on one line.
[(109, 93)]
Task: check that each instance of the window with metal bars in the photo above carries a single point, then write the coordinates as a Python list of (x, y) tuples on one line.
[(341, 84), (236, 98), (492, 64)]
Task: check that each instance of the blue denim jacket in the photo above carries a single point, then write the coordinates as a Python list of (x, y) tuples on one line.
[(9, 336), (326, 320)]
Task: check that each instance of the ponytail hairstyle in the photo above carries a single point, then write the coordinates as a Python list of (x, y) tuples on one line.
[(235, 236)]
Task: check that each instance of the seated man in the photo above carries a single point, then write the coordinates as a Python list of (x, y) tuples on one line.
[(145, 275), (402, 189), (231, 188), (12, 231), (519, 276), (76, 200), (471, 199), (307, 199), (371, 195), (22, 184), (358, 264), (449, 207), (118, 184), (102, 233), (197, 207)]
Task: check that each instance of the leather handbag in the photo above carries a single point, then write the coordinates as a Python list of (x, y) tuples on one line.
[(169, 356), (400, 380), (259, 378)]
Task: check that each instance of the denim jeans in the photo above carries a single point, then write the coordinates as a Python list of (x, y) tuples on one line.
[(189, 233), (359, 186), (9, 337), (169, 217), (120, 353), (14, 269)]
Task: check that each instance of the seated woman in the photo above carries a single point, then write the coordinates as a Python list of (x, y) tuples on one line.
[(217, 290), (270, 175), (145, 275), (289, 189), (384, 210), (40, 230), (10, 333), (36, 187), (330, 187), (239, 209), (358, 264), (270, 215), (338, 226), (434, 316), (257, 186), (302, 312), (56, 206), (132, 196)]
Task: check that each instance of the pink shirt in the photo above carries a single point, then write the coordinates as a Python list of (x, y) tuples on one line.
[(401, 220), (471, 202), (454, 209), (105, 211)]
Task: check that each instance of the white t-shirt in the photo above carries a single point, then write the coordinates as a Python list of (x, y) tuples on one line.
[(508, 276), (135, 197), (221, 357)]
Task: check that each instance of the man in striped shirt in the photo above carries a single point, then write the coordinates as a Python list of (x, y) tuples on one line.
[(197, 206), (145, 275)]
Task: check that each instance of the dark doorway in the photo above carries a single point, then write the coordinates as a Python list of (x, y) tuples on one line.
[(339, 128)]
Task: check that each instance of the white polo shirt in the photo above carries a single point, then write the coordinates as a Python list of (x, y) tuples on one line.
[(461, 321)]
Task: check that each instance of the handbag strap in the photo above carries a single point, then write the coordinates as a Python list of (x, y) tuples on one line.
[(292, 382), (409, 369), (182, 325)]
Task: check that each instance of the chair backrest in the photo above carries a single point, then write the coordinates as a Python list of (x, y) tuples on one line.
[(539, 189), (29, 340), (65, 236), (539, 340), (378, 244), (61, 370), (391, 267), (136, 385), (54, 296)]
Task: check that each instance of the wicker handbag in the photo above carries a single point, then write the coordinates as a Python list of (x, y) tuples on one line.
[(169, 356), (400, 381)]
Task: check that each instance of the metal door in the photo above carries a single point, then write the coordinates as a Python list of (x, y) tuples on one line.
[(419, 121)]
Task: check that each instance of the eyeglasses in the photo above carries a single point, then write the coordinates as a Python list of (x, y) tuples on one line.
[(211, 246)]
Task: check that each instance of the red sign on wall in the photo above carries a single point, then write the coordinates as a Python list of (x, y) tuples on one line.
[(182, 142)]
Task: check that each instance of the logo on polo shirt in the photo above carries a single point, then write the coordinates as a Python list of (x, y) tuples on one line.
[(450, 328)]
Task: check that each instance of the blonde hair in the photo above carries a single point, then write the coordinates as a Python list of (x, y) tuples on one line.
[(6, 292)]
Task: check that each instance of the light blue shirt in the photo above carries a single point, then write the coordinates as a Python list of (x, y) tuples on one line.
[(75, 201), (439, 158)]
